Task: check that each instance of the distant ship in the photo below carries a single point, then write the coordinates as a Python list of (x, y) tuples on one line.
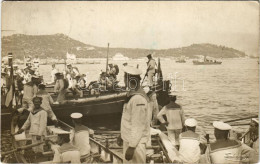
[(181, 60), (206, 62)]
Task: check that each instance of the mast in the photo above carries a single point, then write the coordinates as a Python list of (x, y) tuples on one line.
[(107, 57)]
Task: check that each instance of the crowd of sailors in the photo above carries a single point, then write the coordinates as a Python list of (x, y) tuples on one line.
[(140, 113)]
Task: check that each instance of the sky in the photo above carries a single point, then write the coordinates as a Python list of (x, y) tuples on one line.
[(147, 24)]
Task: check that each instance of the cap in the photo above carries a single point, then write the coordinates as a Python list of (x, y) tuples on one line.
[(76, 115), (221, 125), (191, 122), (149, 56), (132, 70)]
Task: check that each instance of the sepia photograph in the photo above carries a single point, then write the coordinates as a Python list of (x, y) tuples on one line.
[(130, 82)]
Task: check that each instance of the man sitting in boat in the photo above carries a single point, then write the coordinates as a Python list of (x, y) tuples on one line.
[(104, 82), (46, 102), (65, 152), (72, 74), (37, 121), (175, 120), (60, 88), (29, 91), (80, 136), (189, 143), (225, 150), (113, 72)]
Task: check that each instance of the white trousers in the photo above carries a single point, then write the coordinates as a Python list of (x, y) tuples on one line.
[(139, 154), (173, 136)]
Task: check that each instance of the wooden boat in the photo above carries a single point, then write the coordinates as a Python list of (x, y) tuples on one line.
[(99, 109), (100, 152)]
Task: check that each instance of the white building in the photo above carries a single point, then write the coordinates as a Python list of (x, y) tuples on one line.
[(119, 57)]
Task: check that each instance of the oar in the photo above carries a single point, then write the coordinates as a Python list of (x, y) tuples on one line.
[(240, 119), (22, 148), (146, 74)]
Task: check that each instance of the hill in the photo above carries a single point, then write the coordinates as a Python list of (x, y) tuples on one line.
[(56, 46)]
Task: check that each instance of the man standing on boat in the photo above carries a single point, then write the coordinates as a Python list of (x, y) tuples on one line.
[(150, 69), (53, 72), (80, 136), (175, 120), (60, 87), (29, 91), (37, 121), (135, 124)]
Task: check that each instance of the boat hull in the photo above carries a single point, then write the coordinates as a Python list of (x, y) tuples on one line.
[(206, 63)]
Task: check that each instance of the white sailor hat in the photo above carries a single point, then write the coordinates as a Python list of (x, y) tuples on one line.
[(221, 125), (191, 122), (132, 70), (76, 115)]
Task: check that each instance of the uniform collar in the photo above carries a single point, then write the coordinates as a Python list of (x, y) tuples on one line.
[(140, 91)]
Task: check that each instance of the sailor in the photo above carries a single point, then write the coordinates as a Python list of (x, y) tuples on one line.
[(37, 121), (29, 91), (223, 150), (46, 102), (112, 72), (80, 136), (189, 143), (73, 71), (60, 87), (3, 88), (135, 128), (53, 72), (175, 120), (151, 69), (72, 74), (154, 106), (65, 152), (104, 81)]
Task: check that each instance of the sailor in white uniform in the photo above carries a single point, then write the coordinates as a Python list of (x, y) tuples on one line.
[(135, 127), (189, 143), (65, 152), (80, 136)]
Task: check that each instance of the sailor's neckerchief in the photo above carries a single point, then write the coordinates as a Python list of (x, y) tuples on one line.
[(35, 111), (140, 92), (67, 147)]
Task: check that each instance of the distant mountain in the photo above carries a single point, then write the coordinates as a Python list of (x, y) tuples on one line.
[(56, 46)]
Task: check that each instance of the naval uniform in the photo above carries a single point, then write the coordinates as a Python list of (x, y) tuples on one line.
[(66, 153), (81, 139), (151, 71), (224, 151), (189, 147), (175, 117), (37, 121), (135, 125)]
